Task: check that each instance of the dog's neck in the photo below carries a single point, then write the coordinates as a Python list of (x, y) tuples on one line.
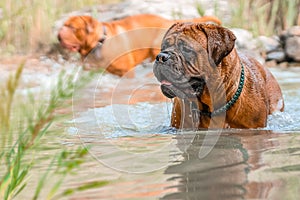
[(103, 34), (232, 95), (107, 29), (102, 37)]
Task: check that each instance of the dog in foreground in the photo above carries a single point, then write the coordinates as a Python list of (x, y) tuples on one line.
[(120, 45), (212, 85)]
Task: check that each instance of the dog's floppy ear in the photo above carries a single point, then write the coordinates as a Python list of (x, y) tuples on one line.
[(220, 42)]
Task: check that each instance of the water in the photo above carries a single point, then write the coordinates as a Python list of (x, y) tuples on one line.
[(289, 81), (152, 161), (125, 124)]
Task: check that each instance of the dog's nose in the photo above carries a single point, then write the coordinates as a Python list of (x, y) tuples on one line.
[(162, 57)]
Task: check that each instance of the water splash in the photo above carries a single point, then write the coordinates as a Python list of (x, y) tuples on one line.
[(125, 120), (281, 121), (289, 120)]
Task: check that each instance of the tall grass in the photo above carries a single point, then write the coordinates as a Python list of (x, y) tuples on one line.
[(22, 126), (26, 25), (264, 17)]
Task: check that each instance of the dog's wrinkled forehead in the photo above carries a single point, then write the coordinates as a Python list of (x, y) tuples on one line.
[(187, 31), (79, 23), (78, 27), (217, 40)]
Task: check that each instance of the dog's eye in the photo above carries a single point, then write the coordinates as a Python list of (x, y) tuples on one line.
[(187, 51), (167, 43), (184, 48)]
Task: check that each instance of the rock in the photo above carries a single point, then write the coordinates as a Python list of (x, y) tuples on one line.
[(271, 63), (273, 48), (291, 43), (244, 39), (294, 31), (292, 48), (284, 64), (278, 56), (247, 44), (270, 44), (284, 49)]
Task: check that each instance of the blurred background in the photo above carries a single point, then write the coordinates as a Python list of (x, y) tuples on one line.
[(27, 26)]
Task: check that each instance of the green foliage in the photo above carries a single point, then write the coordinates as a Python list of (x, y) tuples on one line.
[(200, 9), (6, 99), (35, 119), (91, 185), (264, 17), (261, 17)]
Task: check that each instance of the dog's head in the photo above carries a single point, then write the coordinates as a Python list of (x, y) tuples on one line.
[(80, 34), (189, 54)]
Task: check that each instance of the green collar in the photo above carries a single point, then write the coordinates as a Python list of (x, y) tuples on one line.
[(231, 102)]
